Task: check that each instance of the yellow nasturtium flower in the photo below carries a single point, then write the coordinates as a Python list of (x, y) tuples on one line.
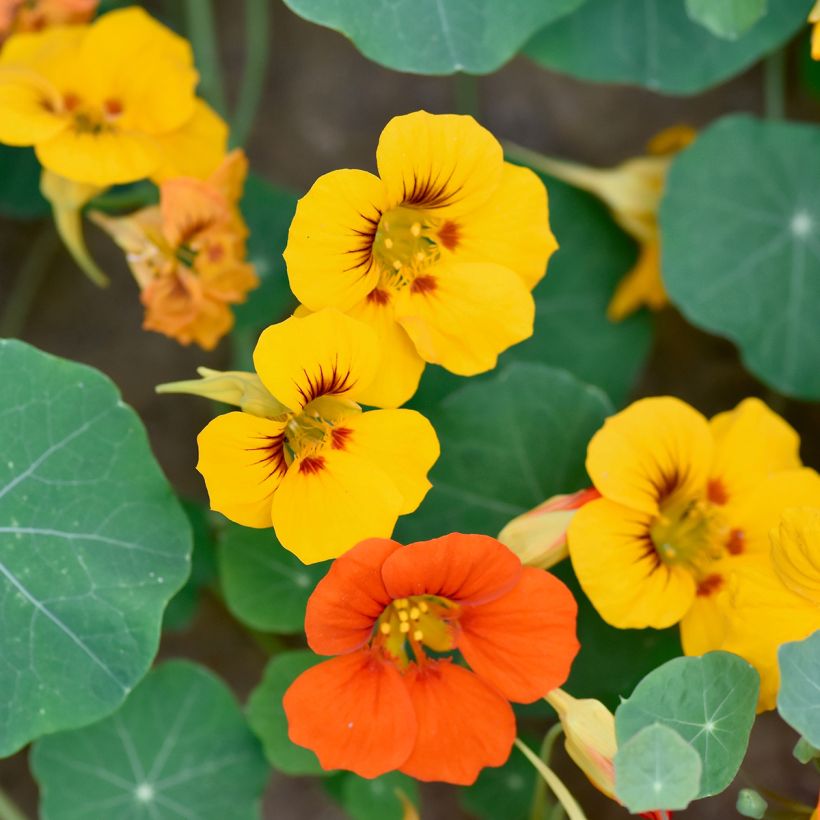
[(36, 15), (814, 19), (325, 474), (438, 253), (685, 503), (771, 604), (108, 103)]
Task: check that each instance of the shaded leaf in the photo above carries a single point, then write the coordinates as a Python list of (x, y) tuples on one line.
[(93, 544), (505, 791), (178, 747), (729, 18), (798, 700), (380, 798), (20, 196)]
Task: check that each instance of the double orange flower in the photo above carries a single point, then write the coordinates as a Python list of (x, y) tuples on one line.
[(385, 702)]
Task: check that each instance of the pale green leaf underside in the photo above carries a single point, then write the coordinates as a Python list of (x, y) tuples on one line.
[(178, 747), (726, 18), (653, 43), (436, 36), (657, 768), (798, 700), (709, 701), (740, 224), (92, 546)]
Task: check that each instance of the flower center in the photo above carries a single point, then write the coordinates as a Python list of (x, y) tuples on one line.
[(405, 242), (408, 625), (318, 426), (89, 119)]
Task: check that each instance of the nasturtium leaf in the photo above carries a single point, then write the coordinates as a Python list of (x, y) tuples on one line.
[(93, 544), (505, 791), (740, 224), (655, 44), (727, 18), (751, 804), (266, 715), (508, 443), (710, 701), (183, 606), (178, 747), (265, 586), (656, 768), (798, 700), (382, 798), (572, 330), (435, 37), (20, 195)]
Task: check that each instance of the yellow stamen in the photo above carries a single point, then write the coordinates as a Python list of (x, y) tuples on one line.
[(385, 628), (418, 635), (403, 616), (404, 627), (415, 613)]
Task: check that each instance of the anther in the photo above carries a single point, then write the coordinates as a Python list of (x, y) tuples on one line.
[(397, 265), (385, 628), (415, 229), (388, 243), (418, 635), (403, 616), (404, 627), (415, 613), (420, 256), (401, 603), (423, 606)]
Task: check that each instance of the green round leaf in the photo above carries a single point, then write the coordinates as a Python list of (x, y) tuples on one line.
[(710, 701), (265, 586), (798, 700), (507, 443), (266, 715), (435, 37), (656, 768), (20, 195), (751, 804), (729, 18), (178, 747), (93, 544), (505, 791), (655, 44), (740, 223), (380, 798)]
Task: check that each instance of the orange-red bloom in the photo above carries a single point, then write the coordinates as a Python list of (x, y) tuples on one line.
[(34, 15), (384, 703)]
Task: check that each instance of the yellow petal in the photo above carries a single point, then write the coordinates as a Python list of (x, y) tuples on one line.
[(751, 442), (330, 239), (104, 159), (442, 162), (642, 286), (323, 354), (620, 571), (328, 503), (512, 229), (401, 366), (195, 149), (30, 107), (704, 627), (815, 42), (796, 551), (50, 53), (462, 316), (240, 458), (403, 443), (654, 448)]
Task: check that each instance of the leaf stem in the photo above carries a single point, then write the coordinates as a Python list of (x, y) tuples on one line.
[(199, 17), (774, 85), (539, 795), (9, 810), (257, 36), (565, 798), (27, 284)]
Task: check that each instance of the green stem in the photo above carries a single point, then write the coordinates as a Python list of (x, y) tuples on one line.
[(774, 85), (8, 809), (539, 795), (257, 35), (27, 284), (466, 94), (199, 16), (563, 794)]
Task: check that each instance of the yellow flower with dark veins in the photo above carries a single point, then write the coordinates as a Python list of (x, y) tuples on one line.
[(36, 15), (108, 103), (685, 503), (325, 474), (188, 254), (438, 253)]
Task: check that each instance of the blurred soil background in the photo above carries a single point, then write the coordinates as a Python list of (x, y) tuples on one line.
[(324, 106)]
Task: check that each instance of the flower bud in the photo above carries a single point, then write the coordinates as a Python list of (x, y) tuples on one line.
[(539, 537)]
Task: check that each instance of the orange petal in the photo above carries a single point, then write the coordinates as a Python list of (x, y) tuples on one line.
[(348, 600), (524, 642), (463, 568), (354, 712), (463, 724)]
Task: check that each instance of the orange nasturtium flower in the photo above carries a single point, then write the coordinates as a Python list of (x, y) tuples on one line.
[(383, 702), (302, 456), (108, 103), (188, 254), (35, 15), (438, 253), (685, 503)]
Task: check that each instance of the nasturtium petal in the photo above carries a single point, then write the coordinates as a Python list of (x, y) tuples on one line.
[(656, 767), (93, 544), (179, 746), (799, 698), (655, 44), (265, 586), (710, 701), (431, 37), (741, 249)]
